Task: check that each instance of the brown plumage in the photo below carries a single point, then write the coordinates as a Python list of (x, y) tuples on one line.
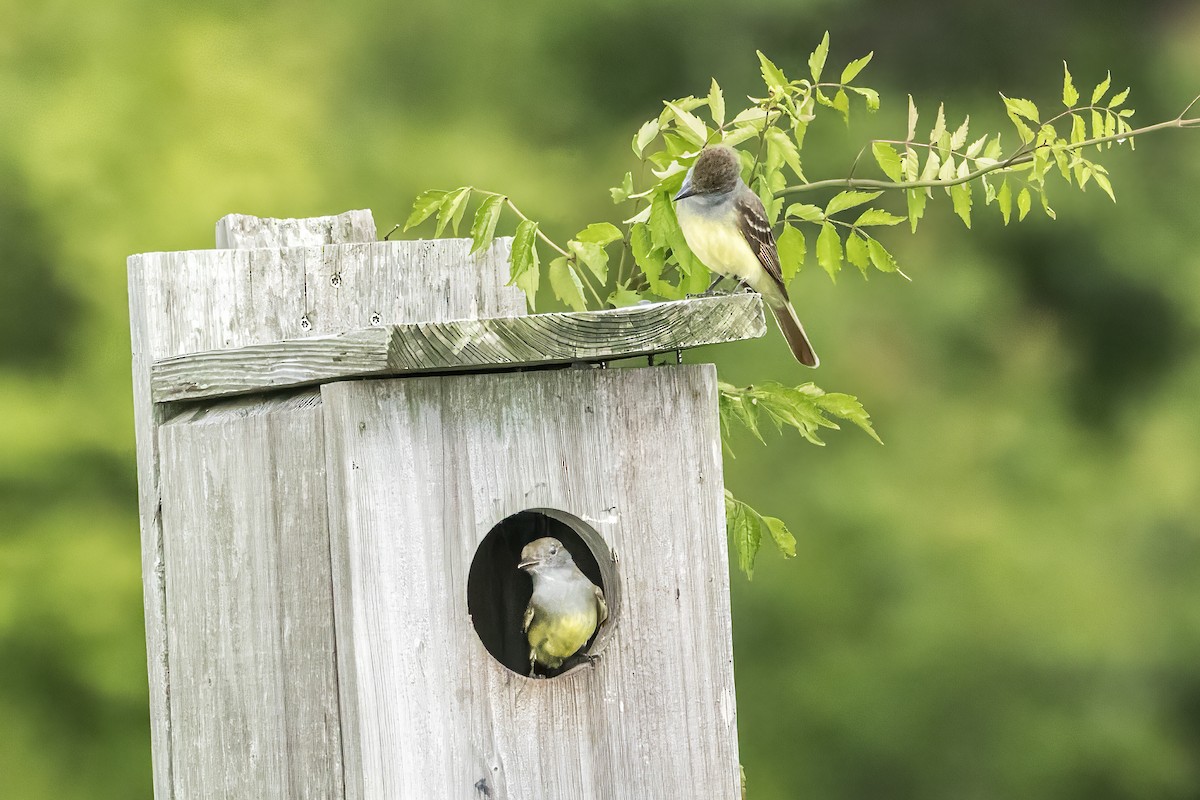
[(712, 197)]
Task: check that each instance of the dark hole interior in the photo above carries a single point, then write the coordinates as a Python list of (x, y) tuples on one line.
[(498, 592)]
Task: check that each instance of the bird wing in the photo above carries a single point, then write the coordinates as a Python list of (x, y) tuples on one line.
[(601, 606), (528, 618), (756, 230)]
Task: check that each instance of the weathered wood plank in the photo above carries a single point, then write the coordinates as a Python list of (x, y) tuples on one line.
[(202, 300), (147, 416), (182, 302), (249, 602), (241, 231), (420, 469), (476, 344)]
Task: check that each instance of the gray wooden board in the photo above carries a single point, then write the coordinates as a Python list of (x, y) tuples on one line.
[(249, 602), (202, 300), (242, 231), (420, 469), (477, 344)]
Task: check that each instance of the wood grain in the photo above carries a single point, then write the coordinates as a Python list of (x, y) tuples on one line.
[(249, 602), (202, 300), (476, 344), (419, 470), (244, 232)]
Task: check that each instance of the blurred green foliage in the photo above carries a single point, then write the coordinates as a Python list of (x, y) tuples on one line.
[(1002, 602)]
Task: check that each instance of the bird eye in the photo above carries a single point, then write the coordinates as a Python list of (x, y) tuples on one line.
[(553, 551)]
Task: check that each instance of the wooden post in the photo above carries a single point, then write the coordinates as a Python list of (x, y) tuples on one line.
[(308, 546)]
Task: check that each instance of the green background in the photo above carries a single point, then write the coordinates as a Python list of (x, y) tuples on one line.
[(1003, 601)]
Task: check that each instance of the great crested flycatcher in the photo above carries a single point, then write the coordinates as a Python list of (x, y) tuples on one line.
[(726, 226), (566, 608)]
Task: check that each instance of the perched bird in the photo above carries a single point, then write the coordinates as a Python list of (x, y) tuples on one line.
[(566, 608), (726, 226)]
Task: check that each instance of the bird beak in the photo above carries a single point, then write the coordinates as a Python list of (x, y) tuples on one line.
[(685, 190), (527, 563)]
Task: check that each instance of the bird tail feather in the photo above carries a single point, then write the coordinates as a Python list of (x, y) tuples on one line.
[(793, 332)]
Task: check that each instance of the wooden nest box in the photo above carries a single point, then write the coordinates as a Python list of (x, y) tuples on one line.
[(343, 445)]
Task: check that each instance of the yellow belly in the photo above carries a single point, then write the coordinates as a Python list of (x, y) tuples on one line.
[(720, 246), (551, 640)]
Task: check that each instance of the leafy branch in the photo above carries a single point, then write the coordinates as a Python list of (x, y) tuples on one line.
[(655, 263), (806, 409)]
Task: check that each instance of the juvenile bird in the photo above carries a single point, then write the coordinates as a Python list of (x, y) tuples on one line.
[(566, 608), (727, 228)]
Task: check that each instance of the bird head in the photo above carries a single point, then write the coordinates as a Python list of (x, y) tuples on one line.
[(716, 171), (543, 553)]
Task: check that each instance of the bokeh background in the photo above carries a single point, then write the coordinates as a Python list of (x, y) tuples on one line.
[(1003, 601)]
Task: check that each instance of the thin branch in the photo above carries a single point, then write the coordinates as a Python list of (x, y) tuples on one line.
[(587, 281), (1186, 110), (1015, 160), (508, 201)]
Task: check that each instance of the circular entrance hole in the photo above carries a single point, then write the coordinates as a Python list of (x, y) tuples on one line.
[(498, 591)]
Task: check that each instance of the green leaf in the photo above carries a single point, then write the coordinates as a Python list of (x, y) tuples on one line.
[(847, 407), (591, 255), (841, 104), (425, 204), (451, 208), (781, 148), (876, 216), (1103, 182), (888, 160), (916, 205), (912, 119), (601, 233), (1004, 200), (939, 125), (1024, 108), (621, 193), (662, 221), (960, 195), (816, 61), (772, 75), (829, 250), (733, 402), (856, 66), (566, 284), (1070, 93), (690, 126), (739, 134), (524, 259), (624, 297), (745, 531), (1101, 88), (753, 116), (959, 138), (977, 146), (1024, 201), (484, 227), (1046, 204), (716, 103), (849, 199), (871, 96), (805, 212), (1078, 129), (791, 247), (880, 257), (645, 136), (651, 260), (856, 252), (947, 171), (1118, 98), (782, 537)]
